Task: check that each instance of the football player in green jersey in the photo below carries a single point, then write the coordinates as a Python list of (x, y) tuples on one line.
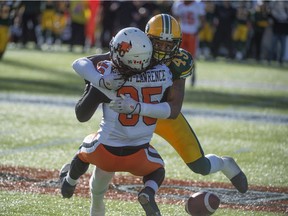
[(165, 34)]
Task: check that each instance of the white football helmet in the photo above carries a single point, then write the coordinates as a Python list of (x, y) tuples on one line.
[(131, 51)]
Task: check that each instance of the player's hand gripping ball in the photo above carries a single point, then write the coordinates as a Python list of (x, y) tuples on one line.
[(202, 203)]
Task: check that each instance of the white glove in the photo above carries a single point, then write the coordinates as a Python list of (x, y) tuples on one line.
[(111, 81), (126, 105)]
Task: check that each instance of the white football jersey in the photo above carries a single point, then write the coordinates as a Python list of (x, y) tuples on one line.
[(118, 129), (189, 15)]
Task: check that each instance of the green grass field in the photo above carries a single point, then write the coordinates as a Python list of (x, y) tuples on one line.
[(240, 110)]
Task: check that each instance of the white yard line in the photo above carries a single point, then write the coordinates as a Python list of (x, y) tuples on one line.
[(56, 142), (205, 113), (242, 85)]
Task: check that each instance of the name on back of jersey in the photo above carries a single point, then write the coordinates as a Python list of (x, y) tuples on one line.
[(149, 76)]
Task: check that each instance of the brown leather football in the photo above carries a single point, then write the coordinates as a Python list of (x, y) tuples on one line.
[(202, 203)]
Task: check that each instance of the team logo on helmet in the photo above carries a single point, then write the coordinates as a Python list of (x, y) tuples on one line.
[(123, 48)]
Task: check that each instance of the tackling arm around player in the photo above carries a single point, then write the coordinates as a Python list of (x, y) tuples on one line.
[(165, 33)]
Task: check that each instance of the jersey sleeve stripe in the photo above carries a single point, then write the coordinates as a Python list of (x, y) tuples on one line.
[(186, 73)]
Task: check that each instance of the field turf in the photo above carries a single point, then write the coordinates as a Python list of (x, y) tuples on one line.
[(236, 109)]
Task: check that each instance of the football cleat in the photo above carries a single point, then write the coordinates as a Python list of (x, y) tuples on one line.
[(239, 180), (67, 190), (147, 200)]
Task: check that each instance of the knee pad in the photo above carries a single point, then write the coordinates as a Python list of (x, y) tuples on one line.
[(201, 166)]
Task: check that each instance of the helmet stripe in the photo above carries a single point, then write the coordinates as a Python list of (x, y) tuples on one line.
[(166, 22), (163, 23)]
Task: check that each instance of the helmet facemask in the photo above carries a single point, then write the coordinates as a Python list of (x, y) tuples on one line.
[(164, 50)]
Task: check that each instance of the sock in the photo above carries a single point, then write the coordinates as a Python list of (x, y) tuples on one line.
[(230, 168), (71, 181), (216, 162), (152, 184)]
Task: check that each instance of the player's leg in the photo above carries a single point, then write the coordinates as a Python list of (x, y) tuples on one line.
[(192, 46), (69, 175), (99, 183), (146, 196), (202, 40), (182, 138), (244, 39), (152, 180), (209, 37), (127, 159)]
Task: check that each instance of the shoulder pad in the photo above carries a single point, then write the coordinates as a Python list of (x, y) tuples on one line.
[(104, 66), (182, 65)]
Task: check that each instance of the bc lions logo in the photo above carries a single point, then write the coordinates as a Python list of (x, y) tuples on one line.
[(123, 48)]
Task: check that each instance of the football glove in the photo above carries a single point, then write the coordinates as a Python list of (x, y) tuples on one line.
[(126, 105), (111, 81)]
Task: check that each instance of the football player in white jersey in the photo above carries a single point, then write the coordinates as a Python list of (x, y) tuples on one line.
[(122, 142)]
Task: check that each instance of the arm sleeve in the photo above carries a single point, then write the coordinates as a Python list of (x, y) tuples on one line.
[(88, 103), (160, 110), (85, 68)]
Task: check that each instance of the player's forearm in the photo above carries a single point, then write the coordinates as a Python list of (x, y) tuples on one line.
[(160, 110), (175, 97), (175, 106), (175, 110), (86, 106), (85, 109), (171, 108), (88, 103)]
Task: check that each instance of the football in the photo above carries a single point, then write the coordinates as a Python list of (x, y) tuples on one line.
[(202, 203)]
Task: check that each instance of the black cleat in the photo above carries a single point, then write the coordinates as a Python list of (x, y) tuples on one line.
[(146, 198), (240, 182), (67, 190)]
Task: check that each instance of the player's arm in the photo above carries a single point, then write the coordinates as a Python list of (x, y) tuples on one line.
[(182, 67), (169, 109), (92, 97), (171, 105), (89, 102), (87, 70), (175, 97), (128, 105)]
